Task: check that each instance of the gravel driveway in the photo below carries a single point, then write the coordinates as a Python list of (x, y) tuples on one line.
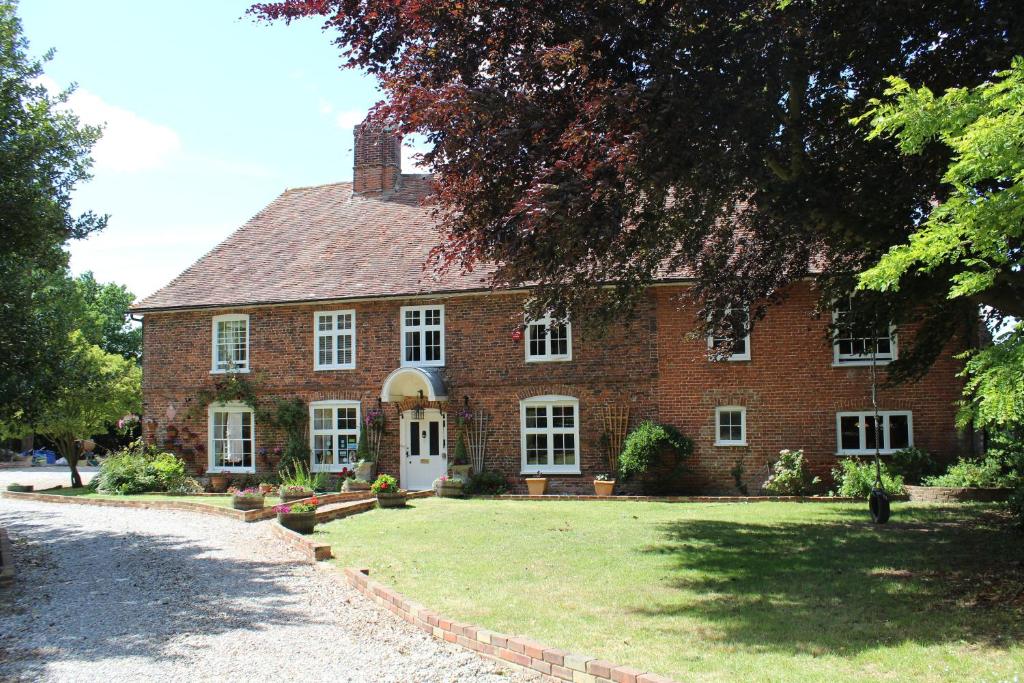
[(44, 477), (109, 594)]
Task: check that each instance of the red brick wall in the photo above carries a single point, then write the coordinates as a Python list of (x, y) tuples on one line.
[(790, 388)]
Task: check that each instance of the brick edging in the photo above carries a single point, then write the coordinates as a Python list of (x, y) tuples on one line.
[(689, 499), (6, 559), (314, 550), (139, 504), (957, 494), (554, 664)]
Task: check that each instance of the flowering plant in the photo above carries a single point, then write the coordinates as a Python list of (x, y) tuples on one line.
[(602, 477), (385, 484), (443, 480), (307, 506), (346, 473), (294, 490), (249, 492), (463, 416), (128, 421), (374, 418)]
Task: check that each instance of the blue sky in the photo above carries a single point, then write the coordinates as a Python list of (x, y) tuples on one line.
[(209, 117)]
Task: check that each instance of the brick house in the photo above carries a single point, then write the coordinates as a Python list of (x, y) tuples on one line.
[(323, 296)]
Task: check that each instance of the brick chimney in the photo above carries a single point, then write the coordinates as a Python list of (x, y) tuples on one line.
[(377, 158)]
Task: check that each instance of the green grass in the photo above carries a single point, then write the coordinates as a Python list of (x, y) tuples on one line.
[(217, 501), (709, 592)]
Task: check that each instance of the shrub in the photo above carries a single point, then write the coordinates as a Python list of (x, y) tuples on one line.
[(140, 469), (486, 483), (644, 445), (300, 476), (987, 472), (789, 475), (385, 484), (913, 464), (855, 478)]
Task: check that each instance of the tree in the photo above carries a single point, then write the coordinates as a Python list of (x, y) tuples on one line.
[(44, 154), (98, 388), (104, 320), (581, 144), (972, 242)]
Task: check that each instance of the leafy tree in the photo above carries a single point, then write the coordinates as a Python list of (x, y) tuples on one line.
[(579, 144), (98, 388), (972, 242), (44, 154), (104, 319)]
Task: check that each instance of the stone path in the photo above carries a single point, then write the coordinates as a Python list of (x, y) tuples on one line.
[(113, 594)]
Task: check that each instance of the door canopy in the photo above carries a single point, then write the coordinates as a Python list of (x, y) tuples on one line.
[(409, 382)]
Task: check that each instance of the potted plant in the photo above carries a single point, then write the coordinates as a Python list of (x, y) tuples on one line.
[(299, 517), (603, 485), (367, 464), (447, 487), (291, 492), (218, 482), (385, 487), (20, 488), (246, 499), (537, 484), (460, 467)]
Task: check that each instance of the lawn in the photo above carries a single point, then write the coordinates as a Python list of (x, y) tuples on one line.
[(218, 501), (762, 591)]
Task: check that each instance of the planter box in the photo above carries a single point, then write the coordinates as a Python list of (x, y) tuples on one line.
[(247, 502), (950, 494), (355, 485), (301, 522), (449, 490), (604, 488), (537, 485), (391, 500)]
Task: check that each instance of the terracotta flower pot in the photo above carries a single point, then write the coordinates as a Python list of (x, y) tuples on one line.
[(391, 500), (219, 482), (301, 522), (247, 502), (537, 485), (604, 488)]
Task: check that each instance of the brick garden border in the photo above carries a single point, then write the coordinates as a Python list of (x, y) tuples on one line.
[(6, 559), (552, 663), (952, 494)]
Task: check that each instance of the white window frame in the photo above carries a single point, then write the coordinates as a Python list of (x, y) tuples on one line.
[(215, 343), (884, 415), (746, 339), (547, 356), (856, 359), (549, 402), (333, 335), (333, 431), (422, 328), (718, 426), (228, 407)]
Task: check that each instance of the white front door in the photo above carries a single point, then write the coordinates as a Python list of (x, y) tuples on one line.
[(424, 445)]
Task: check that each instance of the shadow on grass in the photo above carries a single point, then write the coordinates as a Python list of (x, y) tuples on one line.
[(932, 575), (84, 595)]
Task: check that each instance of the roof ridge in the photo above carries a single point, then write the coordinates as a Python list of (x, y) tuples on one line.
[(338, 183)]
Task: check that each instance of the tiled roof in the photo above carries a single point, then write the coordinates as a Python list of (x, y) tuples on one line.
[(321, 243)]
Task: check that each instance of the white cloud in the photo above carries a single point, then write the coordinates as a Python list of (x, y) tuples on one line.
[(129, 142)]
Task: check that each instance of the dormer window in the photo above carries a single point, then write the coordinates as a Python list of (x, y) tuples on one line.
[(230, 343), (548, 339), (422, 336), (853, 344)]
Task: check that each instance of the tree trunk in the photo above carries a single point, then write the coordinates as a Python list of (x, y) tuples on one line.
[(68, 448)]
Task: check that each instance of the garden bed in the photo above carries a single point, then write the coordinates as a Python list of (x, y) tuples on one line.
[(956, 494), (718, 592)]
